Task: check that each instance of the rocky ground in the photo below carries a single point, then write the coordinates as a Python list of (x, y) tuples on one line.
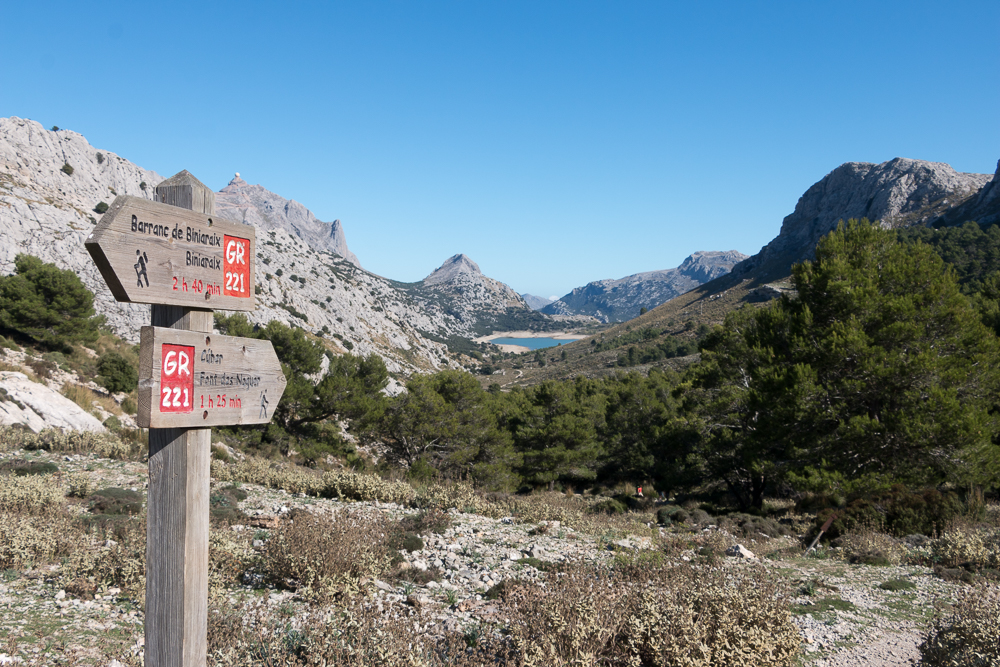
[(844, 617)]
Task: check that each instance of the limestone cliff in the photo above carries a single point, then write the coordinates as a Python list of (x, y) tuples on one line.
[(898, 193)]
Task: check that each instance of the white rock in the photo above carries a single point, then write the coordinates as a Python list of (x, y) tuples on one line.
[(739, 551), (42, 407)]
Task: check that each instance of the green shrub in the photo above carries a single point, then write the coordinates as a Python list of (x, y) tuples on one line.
[(100, 158), (66, 169), (115, 501), (102, 207), (897, 511), (609, 506), (116, 373), (49, 305), (897, 585), (23, 468), (223, 504), (968, 634)]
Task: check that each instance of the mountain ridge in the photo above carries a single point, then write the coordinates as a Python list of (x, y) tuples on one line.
[(624, 298)]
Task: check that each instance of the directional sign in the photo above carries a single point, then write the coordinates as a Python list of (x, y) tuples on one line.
[(190, 379), (155, 253)]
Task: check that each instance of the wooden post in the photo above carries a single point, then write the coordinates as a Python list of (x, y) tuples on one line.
[(177, 501)]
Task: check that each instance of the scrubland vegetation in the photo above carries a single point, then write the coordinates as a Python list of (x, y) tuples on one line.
[(869, 398)]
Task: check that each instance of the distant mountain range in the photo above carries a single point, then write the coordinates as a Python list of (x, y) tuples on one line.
[(535, 302), (622, 299), (897, 193)]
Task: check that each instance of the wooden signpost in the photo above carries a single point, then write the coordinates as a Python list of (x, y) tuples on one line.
[(188, 379), (150, 252), (174, 254)]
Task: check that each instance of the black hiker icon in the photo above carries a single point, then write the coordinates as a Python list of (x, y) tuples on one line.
[(263, 403), (140, 268)]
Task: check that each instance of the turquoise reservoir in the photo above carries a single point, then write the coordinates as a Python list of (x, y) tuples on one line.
[(531, 343)]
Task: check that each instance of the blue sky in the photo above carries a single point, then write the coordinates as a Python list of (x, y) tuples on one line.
[(555, 143)]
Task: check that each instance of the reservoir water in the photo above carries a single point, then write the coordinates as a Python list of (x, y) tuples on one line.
[(531, 343)]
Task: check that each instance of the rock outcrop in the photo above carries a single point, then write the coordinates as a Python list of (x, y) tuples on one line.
[(256, 205), (36, 406), (622, 299), (898, 193)]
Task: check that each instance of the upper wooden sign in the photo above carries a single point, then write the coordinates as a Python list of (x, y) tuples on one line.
[(156, 253), (190, 379)]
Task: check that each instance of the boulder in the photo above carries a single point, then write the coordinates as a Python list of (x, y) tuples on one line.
[(36, 406)]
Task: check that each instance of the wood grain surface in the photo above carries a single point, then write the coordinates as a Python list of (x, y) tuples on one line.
[(225, 380), (150, 252)]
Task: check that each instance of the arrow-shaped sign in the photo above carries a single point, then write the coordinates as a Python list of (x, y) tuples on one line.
[(155, 253), (190, 379)]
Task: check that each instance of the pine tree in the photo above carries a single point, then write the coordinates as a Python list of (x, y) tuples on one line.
[(880, 367)]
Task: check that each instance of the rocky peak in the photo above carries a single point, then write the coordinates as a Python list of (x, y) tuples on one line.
[(453, 267), (703, 266), (898, 193), (258, 206)]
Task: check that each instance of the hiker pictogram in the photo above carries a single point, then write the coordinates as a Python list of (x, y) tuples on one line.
[(140, 268)]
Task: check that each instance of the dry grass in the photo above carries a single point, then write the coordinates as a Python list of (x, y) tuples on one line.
[(74, 442), (86, 398)]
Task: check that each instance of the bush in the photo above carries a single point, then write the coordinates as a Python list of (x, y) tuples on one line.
[(968, 548), (37, 493), (114, 501), (871, 547), (75, 442), (967, 635), (116, 373), (66, 169), (100, 158), (30, 540), (898, 511), (609, 506), (101, 207), (324, 557), (650, 614)]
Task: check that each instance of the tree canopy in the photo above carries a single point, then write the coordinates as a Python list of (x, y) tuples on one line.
[(879, 367), (46, 304)]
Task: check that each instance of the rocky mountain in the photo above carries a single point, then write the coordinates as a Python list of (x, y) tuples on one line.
[(899, 193), (258, 206), (535, 302), (984, 207), (51, 182), (622, 299)]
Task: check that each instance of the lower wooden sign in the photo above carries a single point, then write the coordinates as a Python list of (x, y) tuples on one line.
[(189, 379)]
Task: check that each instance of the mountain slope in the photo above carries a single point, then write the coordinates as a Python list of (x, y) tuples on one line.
[(306, 275), (623, 299)]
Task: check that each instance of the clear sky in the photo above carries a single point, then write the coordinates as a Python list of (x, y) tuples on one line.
[(555, 143)]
